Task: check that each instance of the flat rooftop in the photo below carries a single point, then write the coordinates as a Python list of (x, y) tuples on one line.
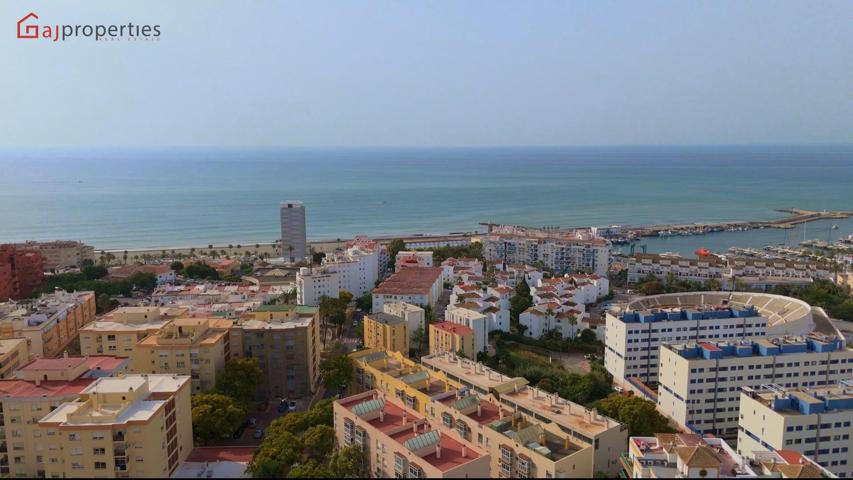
[(469, 372), (386, 318)]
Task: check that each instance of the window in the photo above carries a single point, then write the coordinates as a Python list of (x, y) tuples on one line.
[(100, 465), (99, 451)]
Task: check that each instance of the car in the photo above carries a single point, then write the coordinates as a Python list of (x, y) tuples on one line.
[(282, 407), (259, 434), (253, 422), (618, 389), (291, 405)]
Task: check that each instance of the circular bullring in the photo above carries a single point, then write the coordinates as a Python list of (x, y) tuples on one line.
[(785, 315)]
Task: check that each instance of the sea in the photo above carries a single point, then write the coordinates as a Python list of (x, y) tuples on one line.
[(177, 197)]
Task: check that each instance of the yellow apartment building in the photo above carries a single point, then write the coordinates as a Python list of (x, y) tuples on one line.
[(50, 322), (386, 332), (14, 352), (38, 388), (452, 337), (197, 347), (118, 332), (129, 426)]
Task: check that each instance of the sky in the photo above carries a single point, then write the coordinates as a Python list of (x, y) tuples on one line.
[(270, 73)]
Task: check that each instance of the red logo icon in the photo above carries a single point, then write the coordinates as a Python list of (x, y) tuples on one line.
[(29, 31)]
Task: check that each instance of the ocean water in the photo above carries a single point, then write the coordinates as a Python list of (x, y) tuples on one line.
[(191, 197)]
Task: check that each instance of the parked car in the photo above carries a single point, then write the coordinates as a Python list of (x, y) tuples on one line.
[(253, 422), (282, 407), (291, 406), (259, 434)]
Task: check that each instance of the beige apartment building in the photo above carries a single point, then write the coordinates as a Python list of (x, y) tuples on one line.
[(14, 352), (197, 347), (119, 331), (451, 337), (50, 322), (38, 388), (386, 332), (129, 426), (398, 442), (815, 422), (286, 341), (62, 253)]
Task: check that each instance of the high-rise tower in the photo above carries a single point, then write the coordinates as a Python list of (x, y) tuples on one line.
[(293, 244)]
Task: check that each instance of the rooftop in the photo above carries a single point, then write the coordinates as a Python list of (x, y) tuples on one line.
[(386, 318), (805, 400), (409, 281), (455, 328), (762, 347)]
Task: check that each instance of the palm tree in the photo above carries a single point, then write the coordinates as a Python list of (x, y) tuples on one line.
[(290, 251), (124, 256), (549, 314), (573, 321)]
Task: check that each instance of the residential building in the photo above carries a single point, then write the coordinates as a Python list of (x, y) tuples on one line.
[(632, 337), (419, 286), (293, 243), (559, 304), (412, 258), (286, 341), (787, 464), (398, 442), (163, 273), (130, 426), (454, 268), (386, 332), (700, 383), (814, 421), (414, 315), (38, 388), (472, 319), (59, 254), (21, 271), (225, 267), (541, 434), (559, 251), (451, 337), (118, 332), (50, 322), (354, 270), (197, 347), (216, 462), (220, 299), (681, 455), (14, 352), (490, 302), (750, 272)]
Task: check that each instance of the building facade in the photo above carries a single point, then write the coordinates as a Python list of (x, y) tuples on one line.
[(50, 322), (451, 337), (418, 286), (60, 254), (354, 270), (21, 271), (293, 243), (386, 332), (562, 253)]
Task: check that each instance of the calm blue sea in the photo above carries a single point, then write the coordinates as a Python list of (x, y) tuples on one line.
[(182, 197)]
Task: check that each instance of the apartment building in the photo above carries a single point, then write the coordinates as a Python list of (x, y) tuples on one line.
[(196, 347), (21, 271), (564, 253), (682, 455), (386, 332), (163, 273), (354, 270), (407, 258), (451, 337), (118, 332), (293, 241), (62, 253), (414, 315), (219, 299), (466, 315), (542, 434), (398, 442), (456, 268), (632, 337), (286, 341), (419, 286), (491, 302), (814, 421), (36, 390), (120, 427), (752, 272), (14, 352), (50, 323), (700, 383)]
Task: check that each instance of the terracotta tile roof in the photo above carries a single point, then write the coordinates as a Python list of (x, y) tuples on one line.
[(408, 281), (453, 328), (49, 388)]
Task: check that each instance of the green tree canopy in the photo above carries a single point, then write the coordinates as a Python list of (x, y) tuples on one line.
[(309, 469), (215, 415), (177, 266), (337, 372), (349, 462), (640, 415), (241, 378), (393, 248), (201, 271), (319, 440)]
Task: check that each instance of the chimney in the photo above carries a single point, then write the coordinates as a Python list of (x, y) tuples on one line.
[(533, 393), (415, 428), (382, 415), (464, 451), (479, 410), (438, 451), (405, 415), (65, 354)]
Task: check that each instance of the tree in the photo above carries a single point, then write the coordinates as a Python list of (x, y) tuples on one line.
[(88, 262), (651, 285), (393, 248), (349, 462), (176, 266), (94, 272), (337, 372), (588, 336), (104, 303), (319, 440), (573, 321), (364, 302), (215, 415), (278, 451), (640, 415), (201, 270), (309, 469), (241, 378), (419, 340), (345, 298), (317, 258)]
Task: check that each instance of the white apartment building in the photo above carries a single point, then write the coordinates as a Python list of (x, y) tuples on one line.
[(700, 383), (293, 243), (454, 268), (412, 258), (355, 270), (418, 286), (472, 319), (815, 422), (751, 272), (412, 314), (563, 253), (559, 303), (683, 455), (632, 338), (491, 302)]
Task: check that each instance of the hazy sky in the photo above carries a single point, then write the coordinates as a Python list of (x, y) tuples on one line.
[(437, 73)]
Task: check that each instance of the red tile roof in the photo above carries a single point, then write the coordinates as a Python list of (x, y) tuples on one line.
[(49, 389), (453, 328), (54, 363), (408, 281), (228, 454)]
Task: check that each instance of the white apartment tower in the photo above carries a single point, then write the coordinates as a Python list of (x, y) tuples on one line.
[(293, 244)]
